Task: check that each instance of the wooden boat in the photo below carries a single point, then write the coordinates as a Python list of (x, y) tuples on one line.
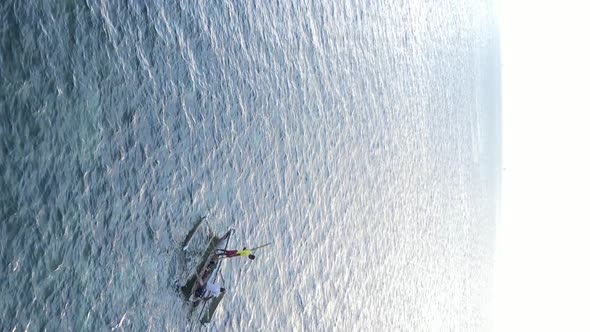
[(208, 270)]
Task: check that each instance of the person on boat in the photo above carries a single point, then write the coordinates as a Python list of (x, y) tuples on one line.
[(235, 253), (209, 290)]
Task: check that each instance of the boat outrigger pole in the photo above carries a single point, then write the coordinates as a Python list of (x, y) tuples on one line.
[(262, 246)]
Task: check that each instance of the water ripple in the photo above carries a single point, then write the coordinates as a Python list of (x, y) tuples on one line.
[(350, 135)]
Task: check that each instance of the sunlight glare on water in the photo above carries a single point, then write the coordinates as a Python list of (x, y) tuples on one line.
[(360, 138)]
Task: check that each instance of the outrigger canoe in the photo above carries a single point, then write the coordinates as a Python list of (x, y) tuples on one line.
[(208, 270)]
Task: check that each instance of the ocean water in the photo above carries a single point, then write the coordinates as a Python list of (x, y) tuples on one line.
[(361, 137)]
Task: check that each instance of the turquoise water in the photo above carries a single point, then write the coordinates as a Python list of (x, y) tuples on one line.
[(361, 138)]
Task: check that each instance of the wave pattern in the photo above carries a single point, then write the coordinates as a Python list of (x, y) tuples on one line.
[(345, 133)]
